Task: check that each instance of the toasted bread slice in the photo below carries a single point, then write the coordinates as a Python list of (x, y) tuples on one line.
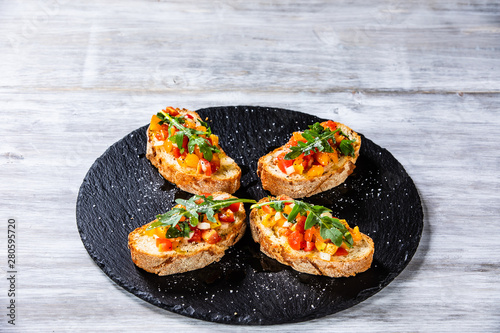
[(276, 246), (187, 256), (301, 185), (225, 179)]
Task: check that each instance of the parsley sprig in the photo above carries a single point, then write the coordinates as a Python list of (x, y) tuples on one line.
[(193, 135), (330, 228), (195, 208), (317, 138)]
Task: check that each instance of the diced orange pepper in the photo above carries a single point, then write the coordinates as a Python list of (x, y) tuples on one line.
[(322, 158), (181, 161), (344, 222), (298, 137), (338, 137), (268, 221), (215, 139), (334, 157), (201, 128), (356, 235), (189, 124), (168, 145), (298, 165), (160, 232), (331, 248), (287, 209), (315, 171), (155, 123), (192, 160)]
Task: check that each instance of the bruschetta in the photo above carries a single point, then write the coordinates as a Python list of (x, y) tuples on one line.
[(192, 235), (308, 238), (186, 152), (312, 161)]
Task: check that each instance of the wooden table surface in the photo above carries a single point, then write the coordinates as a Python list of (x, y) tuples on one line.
[(420, 78)]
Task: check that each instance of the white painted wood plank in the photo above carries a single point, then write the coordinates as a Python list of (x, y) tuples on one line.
[(317, 47)]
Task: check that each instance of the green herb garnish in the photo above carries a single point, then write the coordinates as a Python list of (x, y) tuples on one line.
[(317, 138), (193, 135), (192, 212), (329, 227)]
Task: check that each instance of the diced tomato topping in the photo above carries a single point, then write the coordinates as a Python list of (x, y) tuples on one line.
[(196, 237), (215, 163), (170, 110), (330, 124), (210, 236), (341, 252), (160, 135), (205, 167), (282, 163), (308, 161), (164, 244), (301, 220), (309, 234), (309, 246), (176, 152), (295, 240), (226, 215), (185, 141), (235, 206)]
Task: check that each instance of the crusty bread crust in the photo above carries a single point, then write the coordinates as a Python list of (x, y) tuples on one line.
[(299, 186), (226, 179), (358, 260), (188, 256)]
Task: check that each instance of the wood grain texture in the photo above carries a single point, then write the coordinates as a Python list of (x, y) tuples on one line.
[(418, 78)]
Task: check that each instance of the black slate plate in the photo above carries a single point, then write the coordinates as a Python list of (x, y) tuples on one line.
[(123, 191)]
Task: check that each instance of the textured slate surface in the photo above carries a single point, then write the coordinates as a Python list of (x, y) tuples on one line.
[(123, 191)]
